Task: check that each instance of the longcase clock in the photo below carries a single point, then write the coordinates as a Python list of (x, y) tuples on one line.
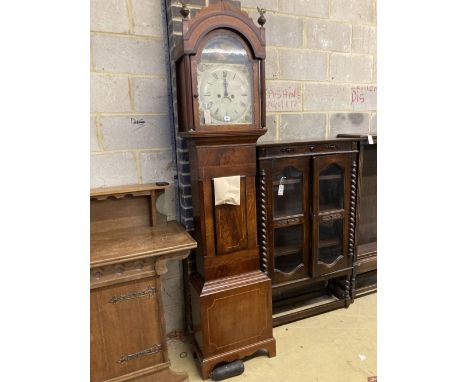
[(220, 71)]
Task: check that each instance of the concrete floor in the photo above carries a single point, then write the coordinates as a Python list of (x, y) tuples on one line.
[(339, 346)]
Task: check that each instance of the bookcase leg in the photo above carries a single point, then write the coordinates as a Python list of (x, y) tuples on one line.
[(353, 287), (347, 291)]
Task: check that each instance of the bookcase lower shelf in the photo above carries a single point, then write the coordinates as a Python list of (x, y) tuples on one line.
[(308, 307)]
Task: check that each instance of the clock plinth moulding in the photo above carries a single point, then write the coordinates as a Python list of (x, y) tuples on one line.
[(220, 71)]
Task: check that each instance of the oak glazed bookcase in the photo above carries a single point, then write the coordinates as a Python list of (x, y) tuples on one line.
[(306, 192)]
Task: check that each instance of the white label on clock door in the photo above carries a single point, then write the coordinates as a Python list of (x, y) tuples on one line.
[(227, 118)]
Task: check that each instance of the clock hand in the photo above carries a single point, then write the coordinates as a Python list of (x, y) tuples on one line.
[(225, 87)]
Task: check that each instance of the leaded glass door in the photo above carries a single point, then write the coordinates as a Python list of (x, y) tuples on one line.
[(290, 179), (330, 218)]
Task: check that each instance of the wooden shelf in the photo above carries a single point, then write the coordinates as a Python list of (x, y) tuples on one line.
[(118, 192), (329, 243), (287, 181), (368, 248), (330, 209), (331, 177), (287, 250), (306, 308), (288, 221), (134, 243)]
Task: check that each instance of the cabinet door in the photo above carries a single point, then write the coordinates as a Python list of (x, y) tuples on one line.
[(290, 179), (366, 239), (126, 329), (331, 211)]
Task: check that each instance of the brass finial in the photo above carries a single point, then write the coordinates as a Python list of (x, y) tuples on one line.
[(184, 11), (261, 20)]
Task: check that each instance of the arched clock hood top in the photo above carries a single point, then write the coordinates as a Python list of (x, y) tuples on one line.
[(221, 15)]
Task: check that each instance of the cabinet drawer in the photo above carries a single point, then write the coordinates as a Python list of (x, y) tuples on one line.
[(304, 149), (332, 147)]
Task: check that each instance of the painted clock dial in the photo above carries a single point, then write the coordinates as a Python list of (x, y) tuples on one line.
[(224, 77)]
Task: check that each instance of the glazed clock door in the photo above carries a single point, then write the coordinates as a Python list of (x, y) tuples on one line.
[(331, 192), (290, 259), (225, 85)]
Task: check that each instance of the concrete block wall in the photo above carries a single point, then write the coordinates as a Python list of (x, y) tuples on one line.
[(132, 134), (321, 67), (131, 123)]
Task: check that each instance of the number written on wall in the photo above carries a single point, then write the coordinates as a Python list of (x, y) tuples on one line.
[(138, 122)]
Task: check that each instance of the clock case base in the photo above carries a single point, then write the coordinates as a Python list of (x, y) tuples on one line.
[(228, 319)]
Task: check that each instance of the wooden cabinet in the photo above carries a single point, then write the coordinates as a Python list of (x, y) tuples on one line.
[(365, 276), (307, 196), (130, 245)]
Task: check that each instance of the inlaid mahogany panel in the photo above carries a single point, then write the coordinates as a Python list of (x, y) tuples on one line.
[(232, 310), (231, 225), (231, 314)]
